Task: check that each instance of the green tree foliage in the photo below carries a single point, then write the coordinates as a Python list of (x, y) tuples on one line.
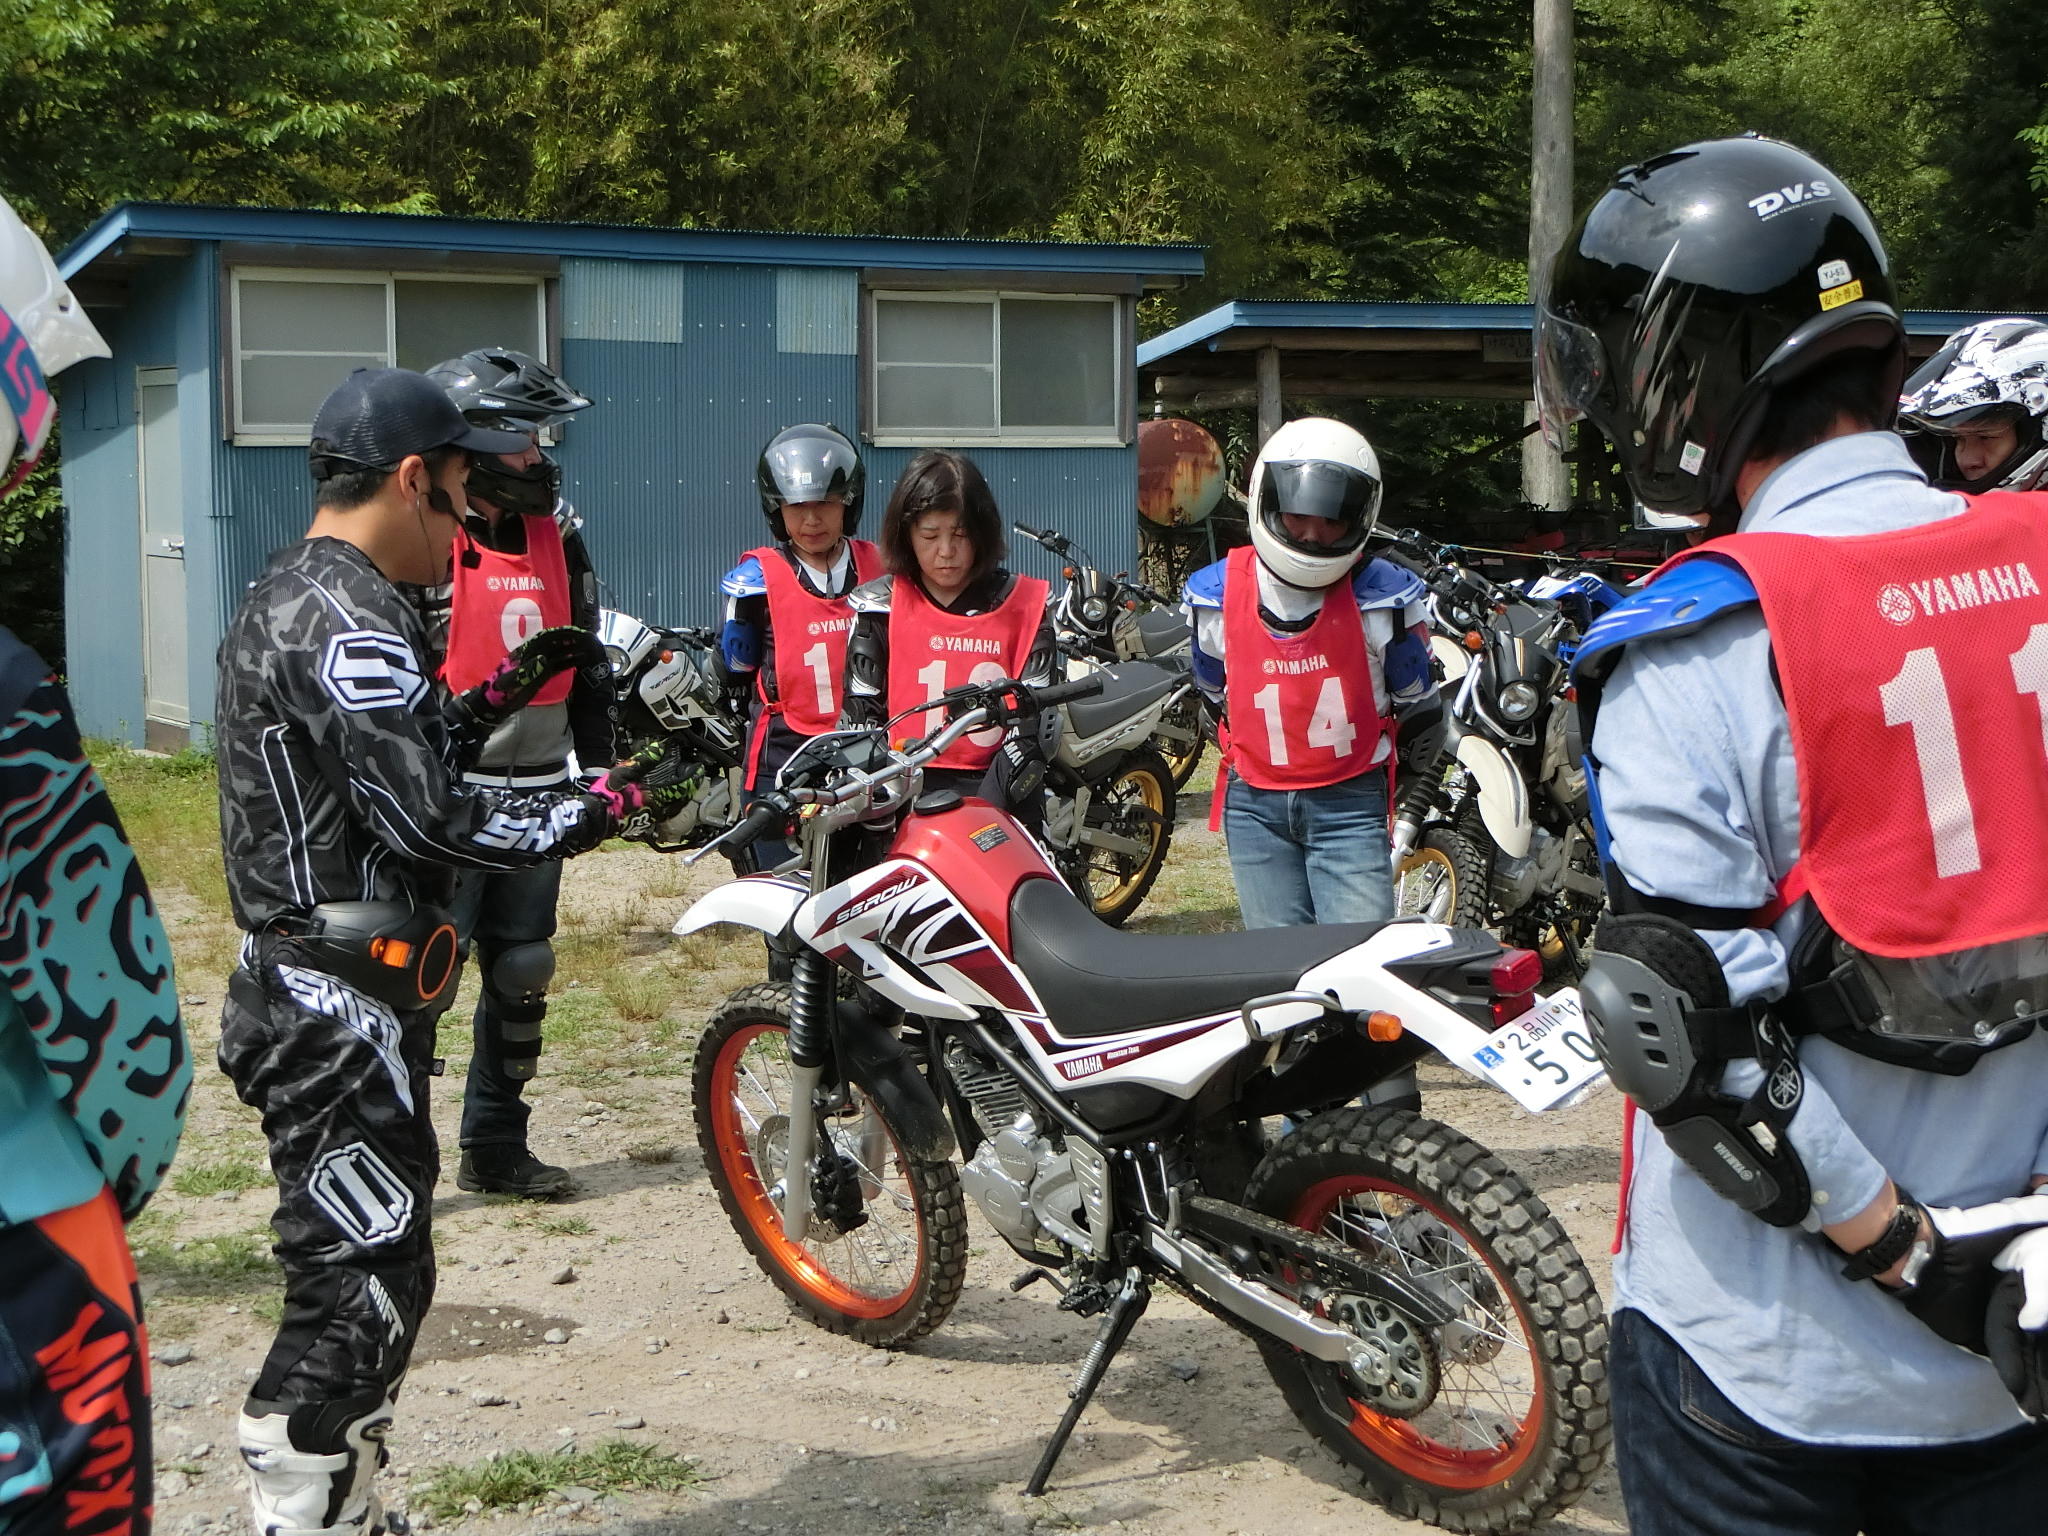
[(231, 101)]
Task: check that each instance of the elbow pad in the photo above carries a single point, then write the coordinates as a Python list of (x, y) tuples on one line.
[(1657, 1002)]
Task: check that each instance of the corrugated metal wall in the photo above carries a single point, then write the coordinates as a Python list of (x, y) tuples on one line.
[(691, 368)]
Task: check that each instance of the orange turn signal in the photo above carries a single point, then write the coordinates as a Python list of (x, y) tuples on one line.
[(392, 952), (1382, 1027), (1474, 641), (667, 657)]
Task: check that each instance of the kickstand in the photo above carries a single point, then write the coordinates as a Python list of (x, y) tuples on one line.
[(1125, 1308)]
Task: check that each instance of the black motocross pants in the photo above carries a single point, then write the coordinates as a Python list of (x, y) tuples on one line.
[(341, 1081)]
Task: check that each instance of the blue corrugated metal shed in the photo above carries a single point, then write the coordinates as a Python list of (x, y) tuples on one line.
[(695, 346)]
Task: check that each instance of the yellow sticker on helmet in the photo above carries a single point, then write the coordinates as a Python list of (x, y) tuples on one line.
[(1835, 298)]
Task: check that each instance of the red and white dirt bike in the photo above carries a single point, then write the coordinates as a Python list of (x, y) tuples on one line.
[(1416, 1303)]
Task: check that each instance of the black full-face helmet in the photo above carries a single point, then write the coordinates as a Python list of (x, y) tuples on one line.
[(512, 391), (810, 462), (1699, 286)]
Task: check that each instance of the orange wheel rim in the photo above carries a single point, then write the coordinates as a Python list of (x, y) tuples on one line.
[(735, 1085), (1456, 1444)]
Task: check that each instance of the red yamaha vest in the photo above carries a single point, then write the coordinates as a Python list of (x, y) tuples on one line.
[(1301, 707), (1914, 667), (931, 650), (810, 634), (501, 600)]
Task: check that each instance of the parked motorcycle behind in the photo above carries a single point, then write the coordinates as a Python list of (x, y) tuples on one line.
[(1117, 618), (1109, 790), (1499, 833), (1417, 1305), (670, 688)]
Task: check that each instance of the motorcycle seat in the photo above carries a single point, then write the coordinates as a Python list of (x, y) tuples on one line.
[(1162, 630), (1098, 980), (1127, 687)]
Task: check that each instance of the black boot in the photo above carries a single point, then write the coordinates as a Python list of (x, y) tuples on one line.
[(508, 1168)]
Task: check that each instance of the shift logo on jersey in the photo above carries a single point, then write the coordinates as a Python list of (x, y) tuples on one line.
[(364, 1017), (365, 669), (360, 1193), (529, 833)]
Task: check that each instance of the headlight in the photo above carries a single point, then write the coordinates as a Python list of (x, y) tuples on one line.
[(1519, 700), (616, 655), (1094, 610)]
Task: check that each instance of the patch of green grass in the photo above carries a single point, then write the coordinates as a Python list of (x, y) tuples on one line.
[(218, 1176), (553, 1226), (171, 810), (523, 1477), (206, 1266)]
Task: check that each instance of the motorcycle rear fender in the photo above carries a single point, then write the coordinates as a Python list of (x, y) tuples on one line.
[(1503, 801), (1360, 982), (765, 902), (875, 1059)]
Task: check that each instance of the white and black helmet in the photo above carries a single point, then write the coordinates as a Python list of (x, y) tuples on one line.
[(1319, 468), (510, 391), (1996, 370), (37, 307)]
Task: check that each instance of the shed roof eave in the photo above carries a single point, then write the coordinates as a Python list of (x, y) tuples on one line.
[(617, 241)]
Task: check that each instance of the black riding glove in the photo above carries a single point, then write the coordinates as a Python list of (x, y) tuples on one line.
[(475, 712), (1951, 1293)]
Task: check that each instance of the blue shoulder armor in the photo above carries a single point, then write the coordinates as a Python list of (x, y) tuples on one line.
[(1205, 587), (1689, 598), (745, 579)]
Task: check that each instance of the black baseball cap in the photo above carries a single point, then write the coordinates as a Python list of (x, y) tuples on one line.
[(378, 416)]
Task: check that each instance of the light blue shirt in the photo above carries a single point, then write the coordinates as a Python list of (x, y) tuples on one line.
[(1701, 798)]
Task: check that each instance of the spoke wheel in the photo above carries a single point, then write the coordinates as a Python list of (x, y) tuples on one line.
[(1517, 1425), (1137, 802), (1181, 762), (1443, 880), (889, 1280)]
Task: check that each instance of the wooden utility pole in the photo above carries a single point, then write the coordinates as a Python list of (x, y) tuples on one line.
[(1268, 394), (1545, 479)]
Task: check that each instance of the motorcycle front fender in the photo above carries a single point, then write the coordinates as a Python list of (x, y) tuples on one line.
[(756, 901), (875, 1059), (1503, 801), (1451, 656)]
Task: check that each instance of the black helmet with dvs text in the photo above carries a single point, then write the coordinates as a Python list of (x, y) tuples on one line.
[(810, 462), (511, 391), (1704, 283)]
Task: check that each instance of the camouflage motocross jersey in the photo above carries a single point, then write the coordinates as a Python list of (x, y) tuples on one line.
[(335, 782), (94, 1068)]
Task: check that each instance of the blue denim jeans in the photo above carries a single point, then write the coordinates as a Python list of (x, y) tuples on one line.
[(1693, 1464), (494, 910), (1310, 855)]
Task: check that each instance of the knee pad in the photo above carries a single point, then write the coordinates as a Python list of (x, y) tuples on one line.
[(311, 1465), (515, 980), (1657, 1001)]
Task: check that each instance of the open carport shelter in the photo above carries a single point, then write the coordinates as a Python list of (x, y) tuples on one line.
[(184, 458), (1258, 355)]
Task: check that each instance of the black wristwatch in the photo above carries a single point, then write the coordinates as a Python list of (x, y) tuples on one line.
[(1890, 1245)]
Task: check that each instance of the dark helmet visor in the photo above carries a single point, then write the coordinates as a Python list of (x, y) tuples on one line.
[(1571, 367), (1337, 493)]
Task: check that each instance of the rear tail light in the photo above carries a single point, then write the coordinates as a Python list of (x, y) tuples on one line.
[(1515, 977), (1517, 971)]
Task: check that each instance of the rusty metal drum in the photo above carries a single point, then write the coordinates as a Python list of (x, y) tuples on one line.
[(1180, 472)]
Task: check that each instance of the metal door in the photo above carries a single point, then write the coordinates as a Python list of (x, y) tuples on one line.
[(165, 687)]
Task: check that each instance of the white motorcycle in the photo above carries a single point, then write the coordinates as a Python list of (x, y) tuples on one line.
[(958, 1023)]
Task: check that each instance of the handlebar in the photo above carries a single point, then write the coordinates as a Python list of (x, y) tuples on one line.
[(989, 708), (1058, 543)]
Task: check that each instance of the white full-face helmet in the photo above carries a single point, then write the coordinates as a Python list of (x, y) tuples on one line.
[(1994, 371), (43, 331), (1321, 469)]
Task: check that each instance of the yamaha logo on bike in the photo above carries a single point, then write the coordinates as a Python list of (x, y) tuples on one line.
[(1896, 604)]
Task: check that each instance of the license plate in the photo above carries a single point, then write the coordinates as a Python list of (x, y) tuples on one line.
[(1544, 1057)]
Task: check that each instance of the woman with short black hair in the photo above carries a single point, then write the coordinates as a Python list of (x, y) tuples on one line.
[(947, 613)]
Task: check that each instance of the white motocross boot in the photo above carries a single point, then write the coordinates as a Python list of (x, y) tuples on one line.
[(311, 1466)]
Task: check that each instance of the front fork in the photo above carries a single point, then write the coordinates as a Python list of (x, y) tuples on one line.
[(810, 1046), (1411, 811)]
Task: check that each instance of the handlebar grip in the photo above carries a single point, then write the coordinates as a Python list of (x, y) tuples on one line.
[(1060, 693), (762, 818)]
